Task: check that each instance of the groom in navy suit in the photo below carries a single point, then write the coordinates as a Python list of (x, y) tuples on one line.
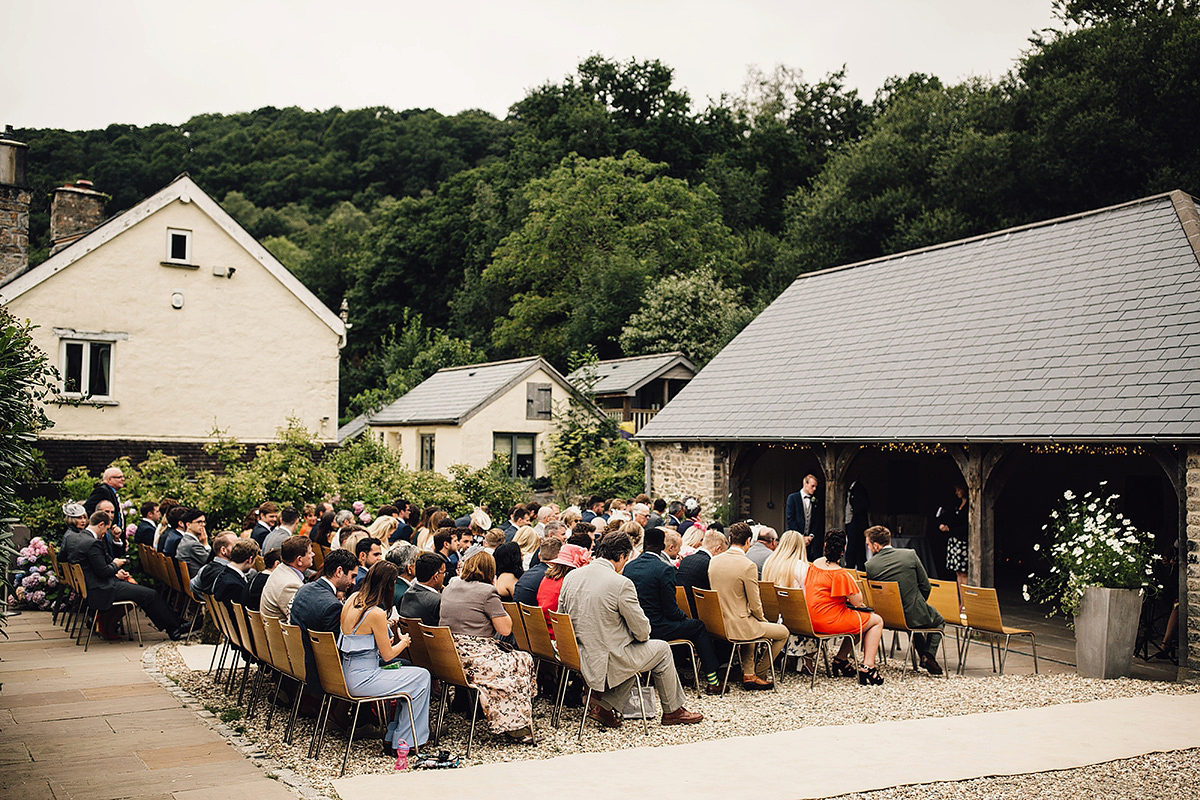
[(806, 515)]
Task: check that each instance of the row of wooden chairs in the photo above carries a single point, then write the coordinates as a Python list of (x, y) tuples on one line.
[(71, 575), (175, 578)]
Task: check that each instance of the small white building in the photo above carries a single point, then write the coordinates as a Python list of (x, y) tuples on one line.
[(170, 321), (468, 415)]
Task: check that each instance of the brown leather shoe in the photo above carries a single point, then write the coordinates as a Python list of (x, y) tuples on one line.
[(930, 663), (715, 688), (605, 716), (681, 716)]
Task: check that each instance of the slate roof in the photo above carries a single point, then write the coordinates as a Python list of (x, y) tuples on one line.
[(1081, 328), (450, 396), (352, 429), (627, 375)]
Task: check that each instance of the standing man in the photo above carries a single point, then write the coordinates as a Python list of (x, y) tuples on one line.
[(111, 482), (735, 580), (614, 637), (268, 520), (806, 515), (902, 566), (296, 556)]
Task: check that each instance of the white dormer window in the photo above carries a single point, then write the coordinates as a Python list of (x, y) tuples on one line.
[(179, 246)]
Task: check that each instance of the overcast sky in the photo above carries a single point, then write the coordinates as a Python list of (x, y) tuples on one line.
[(80, 64)]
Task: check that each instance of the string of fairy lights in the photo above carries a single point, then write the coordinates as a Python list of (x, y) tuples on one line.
[(937, 448)]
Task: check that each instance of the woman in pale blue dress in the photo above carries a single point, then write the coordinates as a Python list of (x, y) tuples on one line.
[(368, 641)]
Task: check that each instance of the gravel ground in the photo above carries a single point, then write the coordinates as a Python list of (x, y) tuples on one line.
[(740, 713), (1158, 776)]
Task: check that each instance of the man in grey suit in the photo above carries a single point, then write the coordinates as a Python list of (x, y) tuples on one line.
[(289, 521), (193, 545), (423, 600), (614, 637), (902, 566)]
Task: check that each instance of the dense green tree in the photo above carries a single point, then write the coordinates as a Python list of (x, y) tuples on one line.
[(26, 380)]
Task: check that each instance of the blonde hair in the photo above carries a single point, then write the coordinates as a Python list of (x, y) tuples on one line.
[(780, 566), (694, 537), (527, 539), (635, 532), (383, 527)]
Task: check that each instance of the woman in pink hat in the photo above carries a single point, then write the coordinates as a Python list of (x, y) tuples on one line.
[(569, 557)]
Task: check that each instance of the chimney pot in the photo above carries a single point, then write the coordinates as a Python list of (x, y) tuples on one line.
[(74, 210)]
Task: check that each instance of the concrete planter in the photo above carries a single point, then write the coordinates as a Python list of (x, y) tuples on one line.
[(1106, 631)]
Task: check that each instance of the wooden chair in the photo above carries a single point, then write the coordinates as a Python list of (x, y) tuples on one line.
[(572, 660), (886, 600), (684, 602), (538, 634), (191, 602), (708, 609), (131, 606), (417, 653), (983, 614), (266, 659), (239, 622), (448, 668), (943, 596), (514, 613), (293, 639), (72, 615), (770, 605), (318, 557), (794, 610), (333, 681), (281, 660)]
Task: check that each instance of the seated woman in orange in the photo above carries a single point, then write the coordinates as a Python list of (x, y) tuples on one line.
[(827, 590)]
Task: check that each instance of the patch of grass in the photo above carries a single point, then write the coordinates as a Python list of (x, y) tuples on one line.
[(212, 708), (231, 715)]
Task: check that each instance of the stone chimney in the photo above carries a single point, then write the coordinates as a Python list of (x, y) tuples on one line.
[(14, 206), (75, 210)]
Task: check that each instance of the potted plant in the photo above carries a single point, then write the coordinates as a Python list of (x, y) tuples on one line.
[(1100, 569)]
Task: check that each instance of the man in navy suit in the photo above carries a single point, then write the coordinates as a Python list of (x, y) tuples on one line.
[(806, 515), (316, 606), (653, 577), (693, 570), (268, 520), (168, 543), (111, 482), (232, 581), (149, 524), (404, 531), (423, 600)]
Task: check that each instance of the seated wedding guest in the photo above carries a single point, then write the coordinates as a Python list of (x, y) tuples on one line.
[(653, 577), (827, 590), (203, 581), (423, 600), (472, 610), (786, 567), (368, 551), (382, 528), (508, 568), (902, 566), (295, 556), (311, 518), (673, 546), (526, 590), (368, 640), (259, 581), (323, 533), (193, 544), (693, 569), (765, 542), (529, 543), (445, 544), (734, 578), (289, 523), (429, 528), (169, 540), (231, 583), (149, 524), (343, 519), (76, 522), (569, 557), (404, 556), (614, 637), (317, 607)]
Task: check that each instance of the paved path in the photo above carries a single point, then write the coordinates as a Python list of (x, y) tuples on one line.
[(96, 726), (819, 762)]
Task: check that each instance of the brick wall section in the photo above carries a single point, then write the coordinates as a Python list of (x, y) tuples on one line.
[(679, 470), (1190, 564), (14, 230)]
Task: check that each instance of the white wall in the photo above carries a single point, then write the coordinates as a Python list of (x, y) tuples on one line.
[(243, 354)]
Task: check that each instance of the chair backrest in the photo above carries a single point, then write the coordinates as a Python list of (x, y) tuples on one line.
[(148, 560), (258, 633), (708, 609), (417, 653), (293, 639), (329, 663), (185, 580), (237, 619), (447, 666), (943, 596), (794, 610), (536, 630), (564, 637), (864, 586), (514, 613), (171, 568), (983, 608), (886, 600), (318, 557), (78, 579), (221, 615), (681, 600), (766, 591), (280, 658)]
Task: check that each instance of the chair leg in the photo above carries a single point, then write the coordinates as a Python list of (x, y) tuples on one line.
[(471, 732), (350, 737), (95, 618), (1033, 644), (587, 703), (317, 735), (732, 655), (560, 697), (213, 660), (291, 726), (1004, 655), (137, 623), (274, 698), (437, 730)]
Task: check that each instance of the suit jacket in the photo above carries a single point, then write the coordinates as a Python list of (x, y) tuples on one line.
[(99, 571), (274, 539), (422, 603), (168, 543), (145, 533), (278, 592), (693, 571), (105, 492), (254, 591), (902, 566), (510, 531), (403, 533), (816, 526), (259, 533), (229, 585), (190, 550), (759, 553), (527, 585), (74, 540), (654, 580), (315, 608), (735, 579), (609, 623)]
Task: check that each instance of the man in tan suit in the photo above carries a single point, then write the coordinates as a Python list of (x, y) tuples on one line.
[(614, 637), (734, 578), (295, 555)]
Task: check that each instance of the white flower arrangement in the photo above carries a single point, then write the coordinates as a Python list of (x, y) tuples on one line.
[(1091, 544)]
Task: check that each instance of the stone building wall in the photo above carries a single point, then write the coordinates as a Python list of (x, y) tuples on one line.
[(14, 230), (678, 469), (1189, 595)]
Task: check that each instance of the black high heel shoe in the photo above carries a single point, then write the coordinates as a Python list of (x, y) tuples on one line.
[(842, 668), (870, 677)]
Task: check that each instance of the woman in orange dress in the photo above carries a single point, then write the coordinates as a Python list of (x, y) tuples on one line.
[(829, 590)]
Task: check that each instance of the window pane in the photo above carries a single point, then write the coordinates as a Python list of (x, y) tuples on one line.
[(524, 461), (502, 445), (427, 451), (525, 445), (178, 247), (73, 369), (98, 369)]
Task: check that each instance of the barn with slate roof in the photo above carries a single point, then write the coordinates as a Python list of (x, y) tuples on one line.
[(1022, 363)]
